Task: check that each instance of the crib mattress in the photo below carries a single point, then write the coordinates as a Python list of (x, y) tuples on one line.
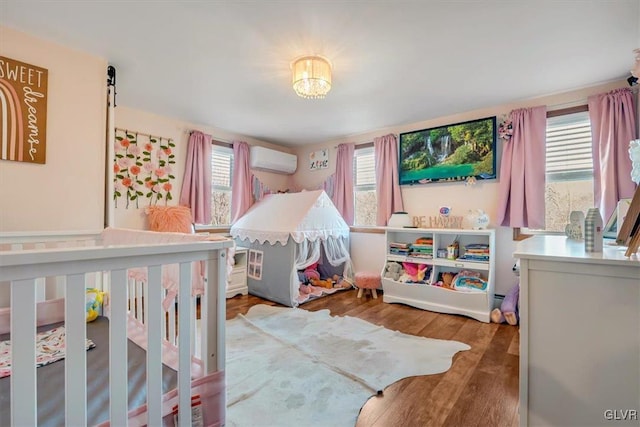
[(50, 379)]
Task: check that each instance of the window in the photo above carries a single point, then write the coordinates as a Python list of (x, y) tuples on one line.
[(255, 264), (364, 187), (221, 173), (569, 169)]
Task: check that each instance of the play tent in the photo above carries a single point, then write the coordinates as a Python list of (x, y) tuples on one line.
[(289, 232)]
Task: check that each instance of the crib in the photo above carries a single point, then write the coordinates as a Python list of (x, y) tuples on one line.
[(39, 268)]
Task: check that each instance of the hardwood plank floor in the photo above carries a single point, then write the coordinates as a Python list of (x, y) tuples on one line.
[(480, 389)]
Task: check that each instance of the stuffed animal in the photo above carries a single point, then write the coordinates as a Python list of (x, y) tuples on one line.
[(447, 279), (344, 283), (416, 272), (509, 309), (340, 282), (393, 271), (327, 283), (311, 272)]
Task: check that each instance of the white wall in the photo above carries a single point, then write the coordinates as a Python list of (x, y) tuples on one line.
[(178, 130), (425, 200), (66, 193)]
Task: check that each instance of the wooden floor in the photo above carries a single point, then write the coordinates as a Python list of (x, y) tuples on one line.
[(480, 389)]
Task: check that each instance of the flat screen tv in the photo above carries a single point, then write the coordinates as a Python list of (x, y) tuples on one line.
[(449, 153)]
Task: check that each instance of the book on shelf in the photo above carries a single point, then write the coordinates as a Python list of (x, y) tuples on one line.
[(398, 251), (474, 258), (399, 245), (419, 255)]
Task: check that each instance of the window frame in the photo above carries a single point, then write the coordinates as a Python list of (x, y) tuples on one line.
[(220, 146), (363, 149), (522, 233)]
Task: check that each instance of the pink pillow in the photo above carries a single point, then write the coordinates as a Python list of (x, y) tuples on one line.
[(175, 219)]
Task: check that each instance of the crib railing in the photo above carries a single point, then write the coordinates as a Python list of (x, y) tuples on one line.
[(48, 288), (24, 268)]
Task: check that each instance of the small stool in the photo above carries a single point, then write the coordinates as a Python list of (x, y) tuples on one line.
[(365, 280)]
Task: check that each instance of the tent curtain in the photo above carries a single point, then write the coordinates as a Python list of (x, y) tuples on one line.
[(336, 250), (388, 193), (343, 186), (337, 253), (241, 196), (307, 253), (522, 170), (613, 127), (196, 185)]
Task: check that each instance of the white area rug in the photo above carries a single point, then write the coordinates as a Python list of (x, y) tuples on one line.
[(292, 367)]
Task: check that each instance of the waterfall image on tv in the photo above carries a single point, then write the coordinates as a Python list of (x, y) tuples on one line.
[(449, 153)]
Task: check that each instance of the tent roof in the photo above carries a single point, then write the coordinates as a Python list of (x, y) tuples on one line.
[(308, 215)]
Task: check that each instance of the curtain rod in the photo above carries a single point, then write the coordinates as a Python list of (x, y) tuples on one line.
[(143, 134), (216, 141)]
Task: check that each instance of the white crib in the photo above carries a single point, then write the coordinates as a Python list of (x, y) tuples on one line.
[(73, 266)]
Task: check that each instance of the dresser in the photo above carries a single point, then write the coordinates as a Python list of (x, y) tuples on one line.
[(579, 334), (238, 280)]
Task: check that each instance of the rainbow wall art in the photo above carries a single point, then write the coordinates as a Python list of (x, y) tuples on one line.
[(23, 108)]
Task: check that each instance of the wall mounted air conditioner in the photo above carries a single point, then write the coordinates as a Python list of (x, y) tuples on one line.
[(269, 160)]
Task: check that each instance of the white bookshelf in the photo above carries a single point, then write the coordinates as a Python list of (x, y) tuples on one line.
[(427, 296)]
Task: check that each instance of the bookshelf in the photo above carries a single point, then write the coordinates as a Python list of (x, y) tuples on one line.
[(418, 250)]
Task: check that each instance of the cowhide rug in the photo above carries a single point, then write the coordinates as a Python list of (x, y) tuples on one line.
[(292, 367)]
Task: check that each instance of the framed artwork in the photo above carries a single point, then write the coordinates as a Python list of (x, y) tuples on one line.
[(319, 159), (23, 106)]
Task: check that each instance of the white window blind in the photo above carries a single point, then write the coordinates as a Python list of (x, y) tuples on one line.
[(221, 165), (569, 155), (364, 169), (221, 176), (364, 183)]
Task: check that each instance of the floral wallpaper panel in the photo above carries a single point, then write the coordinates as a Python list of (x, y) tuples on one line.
[(143, 169)]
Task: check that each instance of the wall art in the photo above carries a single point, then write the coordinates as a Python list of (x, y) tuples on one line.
[(23, 107)]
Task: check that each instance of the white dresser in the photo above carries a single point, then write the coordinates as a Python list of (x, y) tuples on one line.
[(579, 334), (238, 280)]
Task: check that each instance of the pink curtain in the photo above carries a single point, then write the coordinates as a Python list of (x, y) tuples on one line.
[(388, 192), (522, 170), (241, 198), (613, 127), (196, 185), (343, 186)]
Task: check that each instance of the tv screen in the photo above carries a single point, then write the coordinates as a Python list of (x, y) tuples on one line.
[(449, 153)]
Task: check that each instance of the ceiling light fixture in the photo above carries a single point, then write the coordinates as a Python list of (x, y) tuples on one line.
[(311, 76)]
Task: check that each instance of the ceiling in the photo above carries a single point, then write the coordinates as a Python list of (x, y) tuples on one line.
[(225, 64)]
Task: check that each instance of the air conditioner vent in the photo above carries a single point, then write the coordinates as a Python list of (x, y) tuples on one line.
[(269, 160)]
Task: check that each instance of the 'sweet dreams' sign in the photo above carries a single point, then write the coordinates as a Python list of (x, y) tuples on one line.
[(23, 107)]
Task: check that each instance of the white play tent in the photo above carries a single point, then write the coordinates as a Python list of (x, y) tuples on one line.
[(289, 232)]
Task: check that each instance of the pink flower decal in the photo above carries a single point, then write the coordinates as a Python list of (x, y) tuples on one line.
[(134, 150)]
